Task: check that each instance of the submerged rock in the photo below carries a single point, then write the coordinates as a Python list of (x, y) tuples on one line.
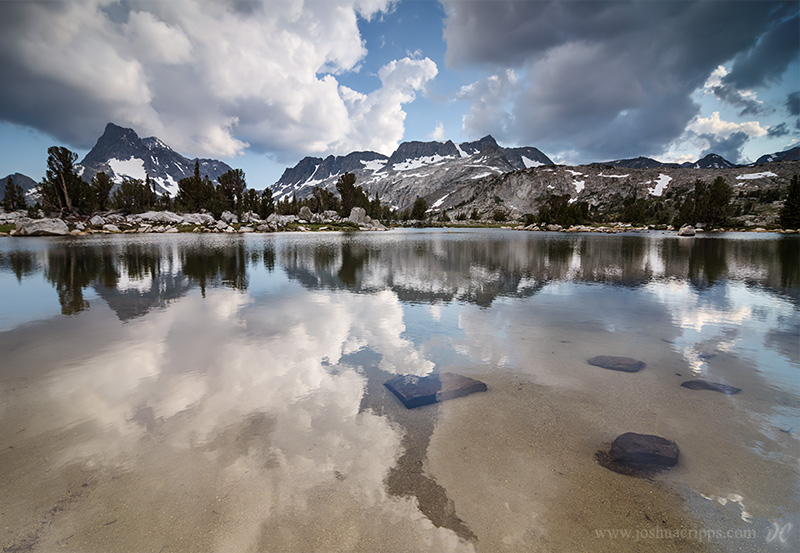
[(644, 449), (712, 386), (614, 363), (416, 391), (639, 454)]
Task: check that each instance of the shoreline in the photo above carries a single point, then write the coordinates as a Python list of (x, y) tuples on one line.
[(180, 223)]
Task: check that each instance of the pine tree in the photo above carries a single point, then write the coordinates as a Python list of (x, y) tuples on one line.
[(10, 198), (790, 212), (419, 209), (101, 186), (61, 187)]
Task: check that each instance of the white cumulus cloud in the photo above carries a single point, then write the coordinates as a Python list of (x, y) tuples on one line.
[(209, 78), (714, 125)]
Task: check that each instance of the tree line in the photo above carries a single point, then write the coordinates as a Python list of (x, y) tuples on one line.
[(62, 190)]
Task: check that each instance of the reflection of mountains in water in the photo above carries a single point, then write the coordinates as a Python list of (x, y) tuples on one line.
[(470, 267), (435, 268)]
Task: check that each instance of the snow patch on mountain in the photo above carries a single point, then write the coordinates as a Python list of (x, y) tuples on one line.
[(579, 185), (375, 165), (614, 176), (661, 184), (751, 176), (440, 201), (419, 162), (531, 163), (132, 168)]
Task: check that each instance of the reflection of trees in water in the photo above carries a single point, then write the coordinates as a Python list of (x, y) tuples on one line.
[(437, 268), (420, 268), (20, 262), (227, 265), (71, 269)]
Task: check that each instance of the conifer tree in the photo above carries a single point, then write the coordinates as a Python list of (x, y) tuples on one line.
[(790, 212)]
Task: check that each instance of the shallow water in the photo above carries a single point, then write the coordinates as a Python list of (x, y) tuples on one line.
[(224, 393)]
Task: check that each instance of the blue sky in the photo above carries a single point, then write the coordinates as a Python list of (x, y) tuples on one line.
[(262, 84)]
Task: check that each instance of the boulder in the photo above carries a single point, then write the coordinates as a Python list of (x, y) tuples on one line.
[(644, 449), (157, 217), (41, 227), (198, 219), (686, 230), (282, 220), (305, 214), (614, 363), (244, 230), (171, 230), (229, 217), (97, 221), (80, 226), (221, 225), (111, 228), (554, 228), (416, 391), (712, 386), (358, 215)]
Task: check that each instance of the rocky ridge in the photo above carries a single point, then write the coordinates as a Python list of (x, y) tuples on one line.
[(414, 169), (120, 153), (606, 188)]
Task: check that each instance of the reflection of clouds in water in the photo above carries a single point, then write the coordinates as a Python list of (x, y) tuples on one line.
[(225, 356), (731, 318), (256, 387)]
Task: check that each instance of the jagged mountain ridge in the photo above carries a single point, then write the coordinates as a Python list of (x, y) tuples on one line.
[(415, 169), (120, 152)]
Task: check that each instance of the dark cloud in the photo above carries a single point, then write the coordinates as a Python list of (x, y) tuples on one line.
[(778, 131), (730, 148), (793, 103), (748, 105), (611, 79), (768, 58)]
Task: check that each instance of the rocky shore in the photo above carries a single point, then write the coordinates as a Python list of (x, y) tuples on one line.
[(170, 222), (18, 223)]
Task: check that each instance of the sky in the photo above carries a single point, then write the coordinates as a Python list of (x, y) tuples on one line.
[(260, 85)]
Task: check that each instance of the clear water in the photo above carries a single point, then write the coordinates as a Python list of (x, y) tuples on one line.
[(224, 393)]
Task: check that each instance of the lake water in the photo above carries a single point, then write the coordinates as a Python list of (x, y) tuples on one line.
[(225, 393)]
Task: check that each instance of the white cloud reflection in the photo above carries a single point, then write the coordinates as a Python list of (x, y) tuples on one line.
[(260, 390)]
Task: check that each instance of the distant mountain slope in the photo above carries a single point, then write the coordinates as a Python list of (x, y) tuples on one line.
[(638, 163), (415, 169), (120, 152), (605, 189), (792, 154), (23, 181)]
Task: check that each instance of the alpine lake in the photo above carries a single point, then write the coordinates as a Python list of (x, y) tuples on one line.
[(225, 393)]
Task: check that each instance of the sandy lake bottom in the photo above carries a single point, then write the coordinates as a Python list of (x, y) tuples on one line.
[(225, 394)]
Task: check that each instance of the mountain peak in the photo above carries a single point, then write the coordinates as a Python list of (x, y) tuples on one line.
[(713, 161), (120, 153)]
